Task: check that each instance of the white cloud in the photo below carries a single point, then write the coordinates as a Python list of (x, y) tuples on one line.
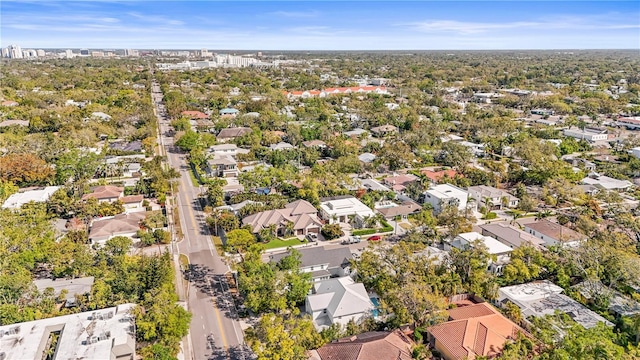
[(598, 22)]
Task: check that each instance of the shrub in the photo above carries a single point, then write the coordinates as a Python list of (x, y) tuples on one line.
[(490, 216), (332, 231)]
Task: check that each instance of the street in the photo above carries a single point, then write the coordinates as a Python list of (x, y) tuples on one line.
[(215, 331)]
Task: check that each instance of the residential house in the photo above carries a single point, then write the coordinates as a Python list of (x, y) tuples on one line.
[(485, 98), (443, 195), (73, 287), (229, 112), (222, 166), (321, 262), (9, 103), (475, 149), (553, 233), (541, 298), (393, 211), (20, 123), (619, 305), (342, 208), (355, 132), (372, 185), (228, 134), (473, 331), (100, 115), (281, 146), (494, 247), (120, 225), (105, 193), (399, 182), (194, 115), (384, 130), (27, 195), (511, 235), (314, 144), (338, 301), (492, 198), (436, 176), (366, 158), (299, 217), (372, 345), (607, 183), (224, 150), (126, 146), (103, 334), (108, 193), (590, 135)]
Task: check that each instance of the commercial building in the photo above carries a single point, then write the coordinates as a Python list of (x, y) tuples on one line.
[(586, 134)]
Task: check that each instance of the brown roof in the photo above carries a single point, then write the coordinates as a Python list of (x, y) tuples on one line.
[(408, 207), (132, 199), (229, 133), (195, 114), (118, 225), (436, 176), (475, 330), (300, 212), (312, 143), (104, 192), (375, 345), (555, 231)]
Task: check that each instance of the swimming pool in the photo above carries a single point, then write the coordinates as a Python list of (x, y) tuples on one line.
[(376, 304)]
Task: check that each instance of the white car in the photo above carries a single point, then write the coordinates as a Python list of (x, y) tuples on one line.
[(312, 237)]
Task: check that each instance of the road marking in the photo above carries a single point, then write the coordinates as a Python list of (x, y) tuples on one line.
[(208, 238)]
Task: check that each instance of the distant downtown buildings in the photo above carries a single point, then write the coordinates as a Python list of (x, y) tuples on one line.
[(205, 59)]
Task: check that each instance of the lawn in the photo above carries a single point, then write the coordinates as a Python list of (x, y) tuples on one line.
[(273, 244), (217, 243), (184, 261)]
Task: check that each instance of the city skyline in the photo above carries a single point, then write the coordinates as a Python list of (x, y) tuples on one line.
[(321, 25)]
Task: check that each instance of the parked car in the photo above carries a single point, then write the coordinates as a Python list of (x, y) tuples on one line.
[(375, 238), (351, 240), (311, 237)]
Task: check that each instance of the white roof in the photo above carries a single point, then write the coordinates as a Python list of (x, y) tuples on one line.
[(366, 157), (607, 182), (223, 147), (16, 200), (111, 329), (494, 246), (446, 191), (542, 298), (341, 297), (281, 146), (346, 206)]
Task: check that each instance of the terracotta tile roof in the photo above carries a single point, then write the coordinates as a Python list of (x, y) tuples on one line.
[(436, 176), (369, 346), (474, 330), (104, 192), (195, 114), (465, 312)]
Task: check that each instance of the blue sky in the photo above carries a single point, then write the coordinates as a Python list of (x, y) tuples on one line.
[(320, 25)]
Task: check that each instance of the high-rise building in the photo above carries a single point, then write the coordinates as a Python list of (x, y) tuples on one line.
[(205, 53), (68, 53), (131, 52), (84, 52), (5, 52), (40, 53), (15, 52)]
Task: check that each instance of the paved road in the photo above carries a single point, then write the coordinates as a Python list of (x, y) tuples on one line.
[(215, 331)]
